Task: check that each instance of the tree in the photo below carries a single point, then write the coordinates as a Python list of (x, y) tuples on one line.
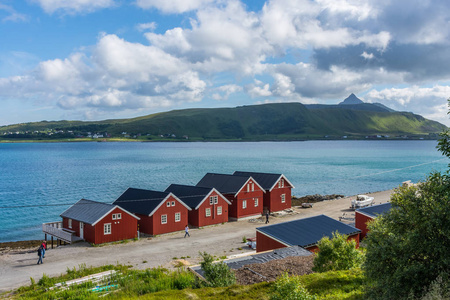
[(337, 254), (217, 274), (408, 248), (444, 141)]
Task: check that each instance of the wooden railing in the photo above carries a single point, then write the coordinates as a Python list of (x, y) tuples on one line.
[(56, 229)]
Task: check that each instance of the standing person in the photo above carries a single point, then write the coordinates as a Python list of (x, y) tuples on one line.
[(186, 229), (267, 216), (44, 247), (40, 255)]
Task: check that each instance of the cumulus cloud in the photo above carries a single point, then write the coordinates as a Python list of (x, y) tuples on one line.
[(223, 92), (74, 6), (173, 6)]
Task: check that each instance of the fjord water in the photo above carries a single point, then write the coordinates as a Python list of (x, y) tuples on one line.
[(38, 181)]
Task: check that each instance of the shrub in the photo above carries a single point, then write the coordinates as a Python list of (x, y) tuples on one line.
[(289, 288), (218, 274), (337, 254)]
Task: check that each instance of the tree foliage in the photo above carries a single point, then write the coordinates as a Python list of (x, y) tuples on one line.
[(337, 254), (217, 274), (289, 288), (407, 248)]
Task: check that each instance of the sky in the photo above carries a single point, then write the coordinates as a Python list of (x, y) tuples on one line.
[(108, 59)]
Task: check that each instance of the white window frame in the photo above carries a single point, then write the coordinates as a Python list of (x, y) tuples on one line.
[(253, 187), (163, 219), (283, 198), (256, 202), (219, 210), (211, 200), (173, 203), (114, 216), (106, 228), (119, 216), (177, 217), (69, 223), (248, 187), (282, 183), (168, 204), (244, 204), (208, 212)]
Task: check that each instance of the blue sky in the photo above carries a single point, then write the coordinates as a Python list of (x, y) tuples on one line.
[(104, 59)]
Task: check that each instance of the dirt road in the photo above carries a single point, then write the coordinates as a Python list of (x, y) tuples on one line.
[(16, 267)]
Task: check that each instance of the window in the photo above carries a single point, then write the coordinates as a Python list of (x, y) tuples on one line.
[(113, 216), (107, 228), (70, 223), (177, 217), (256, 202), (168, 204), (216, 200), (248, 187), (116, 216), (281, 183), (219, 210), (173, 203), (283, 198), (213, 200), (208, 212), (119, 216), (164, 219), (244, 204), (253, 187)]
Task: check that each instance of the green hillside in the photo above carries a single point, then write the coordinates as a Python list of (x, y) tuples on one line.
[(281, 121)]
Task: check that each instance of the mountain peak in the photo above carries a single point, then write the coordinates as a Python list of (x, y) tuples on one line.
[(352, 99)]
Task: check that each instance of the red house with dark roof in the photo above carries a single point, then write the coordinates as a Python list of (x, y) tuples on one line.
[(364, 215), (244, 193), (208, 206), (277, 186), (99, 223), (159, 212), (305, 233)]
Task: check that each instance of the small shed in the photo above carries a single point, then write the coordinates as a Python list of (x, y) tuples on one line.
[(98, 222), (305, 233), (277, 187), (244, 193), (367, 214), (159, 212), (208, 206)]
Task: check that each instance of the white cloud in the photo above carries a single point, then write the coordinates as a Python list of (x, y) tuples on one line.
[(146, 26), (223, 92), (173, 6), (74, 6), (13, 15), (367, 56), (258, 89)]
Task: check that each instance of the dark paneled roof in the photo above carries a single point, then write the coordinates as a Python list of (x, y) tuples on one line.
[(189, 194), (375, 210), (224, 183), (308, 231), (140, 201), (266, 180), (87, 211)]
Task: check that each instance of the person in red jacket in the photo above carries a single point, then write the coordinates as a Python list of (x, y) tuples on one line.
[(44, 247)]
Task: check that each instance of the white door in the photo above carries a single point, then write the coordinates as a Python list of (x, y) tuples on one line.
[(81, 230)]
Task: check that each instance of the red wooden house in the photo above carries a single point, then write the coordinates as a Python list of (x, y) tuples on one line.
[(277, 186), (367, 214), (305, 233), (159, 212), (98, 222), (244, 193), (208, 206)]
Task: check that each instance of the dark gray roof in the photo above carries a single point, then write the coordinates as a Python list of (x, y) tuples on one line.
[(224, 183), (87, 211), (189, 194), (140, 201), (308, 231), (265, 180), (375, 210), (281, 253)]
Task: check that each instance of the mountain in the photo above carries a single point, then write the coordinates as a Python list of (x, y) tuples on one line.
[(352, 99), (280, 121)]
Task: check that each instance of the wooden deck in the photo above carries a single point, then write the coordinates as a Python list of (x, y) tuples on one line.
[(56, 230)]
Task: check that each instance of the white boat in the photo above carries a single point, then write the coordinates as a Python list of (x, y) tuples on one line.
[(362, 201)]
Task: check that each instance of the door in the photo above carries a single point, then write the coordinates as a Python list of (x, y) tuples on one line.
[(81, 230)]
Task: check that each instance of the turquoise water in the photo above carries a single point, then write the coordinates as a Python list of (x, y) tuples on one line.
[(38, 181)]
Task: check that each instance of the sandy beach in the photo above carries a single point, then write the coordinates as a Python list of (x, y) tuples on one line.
[(17, 266)]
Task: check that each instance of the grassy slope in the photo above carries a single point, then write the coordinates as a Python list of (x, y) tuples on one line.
[(268, 121)]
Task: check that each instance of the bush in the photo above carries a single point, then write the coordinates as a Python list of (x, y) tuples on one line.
[(289, 288), (218, 274), (337, 254)]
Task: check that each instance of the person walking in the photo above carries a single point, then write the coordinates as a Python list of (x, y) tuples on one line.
[(267, 216), (40, 255), (44, 248), (186, 230)]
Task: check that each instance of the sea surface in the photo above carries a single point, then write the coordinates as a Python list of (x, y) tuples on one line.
[(38, 181)]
